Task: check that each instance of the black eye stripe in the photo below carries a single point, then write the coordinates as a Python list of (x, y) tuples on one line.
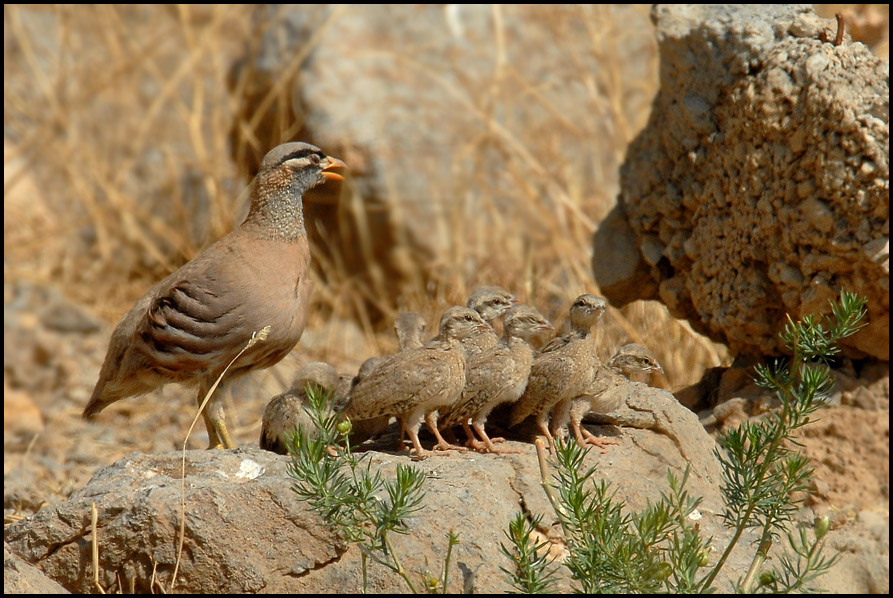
[(303, 153)]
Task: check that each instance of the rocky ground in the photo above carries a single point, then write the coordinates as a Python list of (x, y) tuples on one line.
[(53, 349)]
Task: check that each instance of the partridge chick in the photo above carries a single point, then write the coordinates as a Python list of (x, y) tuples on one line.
[(564, 369), (410, 327), (491, 302), (497, 376), (413, 383), (607, 392), (191, 325), (285, 412)]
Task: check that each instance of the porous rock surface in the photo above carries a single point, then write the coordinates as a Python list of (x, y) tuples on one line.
[(760, 185)]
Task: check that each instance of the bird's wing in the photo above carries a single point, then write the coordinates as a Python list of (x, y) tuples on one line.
[(548, 376), (401, 382)]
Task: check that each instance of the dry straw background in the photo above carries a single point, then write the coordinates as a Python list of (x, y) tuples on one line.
[(118, 169)]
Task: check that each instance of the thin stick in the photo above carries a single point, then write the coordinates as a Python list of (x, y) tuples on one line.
[(94, 517), (256, 337), (545, 479), (840, 29)]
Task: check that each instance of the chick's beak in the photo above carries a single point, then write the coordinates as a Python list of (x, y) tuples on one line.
[(333, 163)]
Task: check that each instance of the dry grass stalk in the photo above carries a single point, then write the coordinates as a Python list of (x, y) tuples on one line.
[(118, 120)]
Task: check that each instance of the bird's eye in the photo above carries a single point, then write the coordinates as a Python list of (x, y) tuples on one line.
[(314, 159)]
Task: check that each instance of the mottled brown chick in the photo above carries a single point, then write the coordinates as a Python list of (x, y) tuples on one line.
[(413, 384), (491, 302), (565, 368), (497, 376), (410, 327), (191, 325), (285, 412), (607, 393)]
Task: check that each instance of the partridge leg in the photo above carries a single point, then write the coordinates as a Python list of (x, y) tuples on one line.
[(601, 443), (491, 447), (577, 413), (403, 435), (542, 422), (561, 415), (214, 417), (410, 423), (472, 441), (442, 445)]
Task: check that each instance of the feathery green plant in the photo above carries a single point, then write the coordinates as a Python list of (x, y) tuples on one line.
[(765, 481), (531, 573), (762, 475), (329, 476)]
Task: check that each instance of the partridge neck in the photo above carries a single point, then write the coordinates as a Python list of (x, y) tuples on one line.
[(276, 215), (580, 329)]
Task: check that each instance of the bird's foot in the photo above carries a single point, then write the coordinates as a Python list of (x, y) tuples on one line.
[(222, 434), (601, 443), (502, 450), (476, 445), (419, 456), (443, 445)]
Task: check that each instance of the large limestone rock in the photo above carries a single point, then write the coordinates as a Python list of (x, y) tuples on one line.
[(761, 184), (246, 531), (20, 577)]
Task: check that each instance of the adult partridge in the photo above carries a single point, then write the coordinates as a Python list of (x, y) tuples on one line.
[(190, 326)]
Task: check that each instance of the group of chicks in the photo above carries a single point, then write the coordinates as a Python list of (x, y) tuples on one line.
[(462, 374)]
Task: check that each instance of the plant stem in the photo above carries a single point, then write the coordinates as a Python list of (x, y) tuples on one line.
[(451, 541), (365, 561), (739, 529), (545, 481), (398, 567), (758, 559)]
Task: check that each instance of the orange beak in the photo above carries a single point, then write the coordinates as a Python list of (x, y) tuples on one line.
[(333, 163)]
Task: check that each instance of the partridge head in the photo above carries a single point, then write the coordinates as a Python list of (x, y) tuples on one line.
[(491, 302)]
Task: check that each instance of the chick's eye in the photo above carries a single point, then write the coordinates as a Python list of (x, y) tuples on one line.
[(314, 159)]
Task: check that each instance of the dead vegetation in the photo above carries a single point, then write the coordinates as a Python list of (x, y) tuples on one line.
[(118, 169)]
